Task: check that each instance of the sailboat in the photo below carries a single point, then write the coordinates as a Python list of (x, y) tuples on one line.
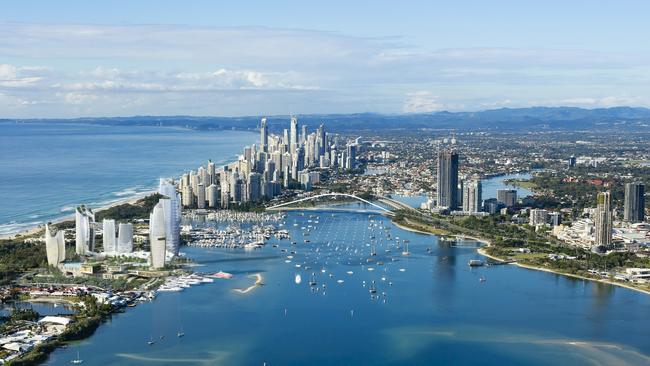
[(77, 360), (373, 288), (151, 341), (406, 252), (312, 280)]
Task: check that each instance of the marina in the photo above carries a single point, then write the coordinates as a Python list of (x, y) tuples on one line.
[(345, 294)]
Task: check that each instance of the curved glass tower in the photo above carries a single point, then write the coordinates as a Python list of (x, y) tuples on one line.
[(54, 246), (157, 236), (172, 212)]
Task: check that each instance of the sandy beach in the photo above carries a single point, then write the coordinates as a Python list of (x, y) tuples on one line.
[(258, 282), (39, 228)]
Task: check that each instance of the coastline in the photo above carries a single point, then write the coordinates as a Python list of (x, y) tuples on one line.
[(258, 283), (482, 252), (487, 243), (40, 227)]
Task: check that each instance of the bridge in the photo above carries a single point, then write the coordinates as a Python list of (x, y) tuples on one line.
[(378, 209)]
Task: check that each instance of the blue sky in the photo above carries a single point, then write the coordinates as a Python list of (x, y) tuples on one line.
[(117, 58)]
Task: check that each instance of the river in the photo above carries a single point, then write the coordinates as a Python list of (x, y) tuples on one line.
[(429, 308)]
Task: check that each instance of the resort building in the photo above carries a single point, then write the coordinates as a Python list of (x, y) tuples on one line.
[(54, 246), (84, 230)]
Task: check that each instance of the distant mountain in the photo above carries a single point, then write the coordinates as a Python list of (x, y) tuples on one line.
[(504, 119)]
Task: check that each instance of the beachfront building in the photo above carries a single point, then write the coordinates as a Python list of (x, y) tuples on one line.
[(125, 239), (84, 230), (54, 246), (172, 211), (157, 240), (108, 236)]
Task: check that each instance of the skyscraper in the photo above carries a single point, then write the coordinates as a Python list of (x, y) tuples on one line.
[(125, 239), (108, 236), (447, 193), (472, 196), (603, 220), (213, 196), (508, 197), (264, 136), (634, 202), (253, 187), (293, 143), (538, 217), (211, 173), (84, 230), (157, 236), (200, 196), (172, 208), (54, 246)]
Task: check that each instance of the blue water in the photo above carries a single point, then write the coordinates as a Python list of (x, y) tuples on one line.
[(489, 189), (436, 312), (46, 169)]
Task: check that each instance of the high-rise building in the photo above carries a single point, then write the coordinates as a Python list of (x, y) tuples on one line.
[(200, 196), (157, 240), (634, 202), (54, 246), (253, 187), (554, 218), (264, 136), (293, 143), (172, 208), (447, 195), (108, 236), (188, 196), (603, 220), (507, 197), (303, 134), (472, 196), (571, 162), (211, 173), (125, 238), (538, 217), (213, 196), (351, 157), (84, 230)]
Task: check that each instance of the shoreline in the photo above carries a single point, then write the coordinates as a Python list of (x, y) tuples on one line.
[(482, 252), (487, 243), (36, 229), (258, 283)]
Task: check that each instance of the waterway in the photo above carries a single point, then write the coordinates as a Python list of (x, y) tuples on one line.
[(429, 308), (489, 189)]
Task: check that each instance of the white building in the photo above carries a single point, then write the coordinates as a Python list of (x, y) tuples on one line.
[(157, 240), (472, 196), (84, 230), (125, 239), (54, 247), (172, 208), (538, 217), (108, 236)]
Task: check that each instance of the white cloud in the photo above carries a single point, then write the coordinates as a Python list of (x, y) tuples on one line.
[(246, 70), (421, 102), (11, 76)]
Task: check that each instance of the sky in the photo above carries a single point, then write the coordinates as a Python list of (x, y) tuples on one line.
[(66, 59)]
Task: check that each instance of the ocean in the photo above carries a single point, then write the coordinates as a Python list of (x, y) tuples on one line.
[(46, 169)]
